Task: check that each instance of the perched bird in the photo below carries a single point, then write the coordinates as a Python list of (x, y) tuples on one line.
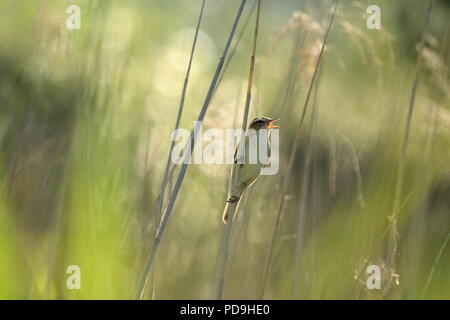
[(244, 173)]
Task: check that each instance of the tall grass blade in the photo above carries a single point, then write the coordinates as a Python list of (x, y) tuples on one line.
[(165, 218), (293, 153), (180, 109), (225, 243), (394, 235)]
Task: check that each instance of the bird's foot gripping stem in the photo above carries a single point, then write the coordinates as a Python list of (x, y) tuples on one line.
[(233, 199)]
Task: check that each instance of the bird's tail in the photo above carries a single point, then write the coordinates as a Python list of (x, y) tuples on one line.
[(230, 207)]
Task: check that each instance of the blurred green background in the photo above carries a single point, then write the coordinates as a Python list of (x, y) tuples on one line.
[(85, 123)]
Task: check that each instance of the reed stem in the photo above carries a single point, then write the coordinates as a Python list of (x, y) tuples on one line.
[(173, 197), (225, 243), (394, 236), (269, 255)]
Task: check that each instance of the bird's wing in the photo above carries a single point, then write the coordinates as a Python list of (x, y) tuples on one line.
[(240, 156), (239, 161)]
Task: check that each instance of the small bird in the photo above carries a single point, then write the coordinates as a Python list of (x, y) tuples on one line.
[(248, 172)]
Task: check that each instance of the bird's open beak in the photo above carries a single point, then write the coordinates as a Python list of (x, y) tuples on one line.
[(270, 125)]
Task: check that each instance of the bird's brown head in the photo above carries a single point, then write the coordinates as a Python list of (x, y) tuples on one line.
[(263, 123)]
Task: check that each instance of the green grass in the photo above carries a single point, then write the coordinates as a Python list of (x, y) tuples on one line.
[(85, 129)]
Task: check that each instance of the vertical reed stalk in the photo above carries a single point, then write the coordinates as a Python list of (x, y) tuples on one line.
[(173, 197), (168, 171), (180, 109), (166, 176), (290, 165), (225, 242), (303, 199), (394, 235)]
